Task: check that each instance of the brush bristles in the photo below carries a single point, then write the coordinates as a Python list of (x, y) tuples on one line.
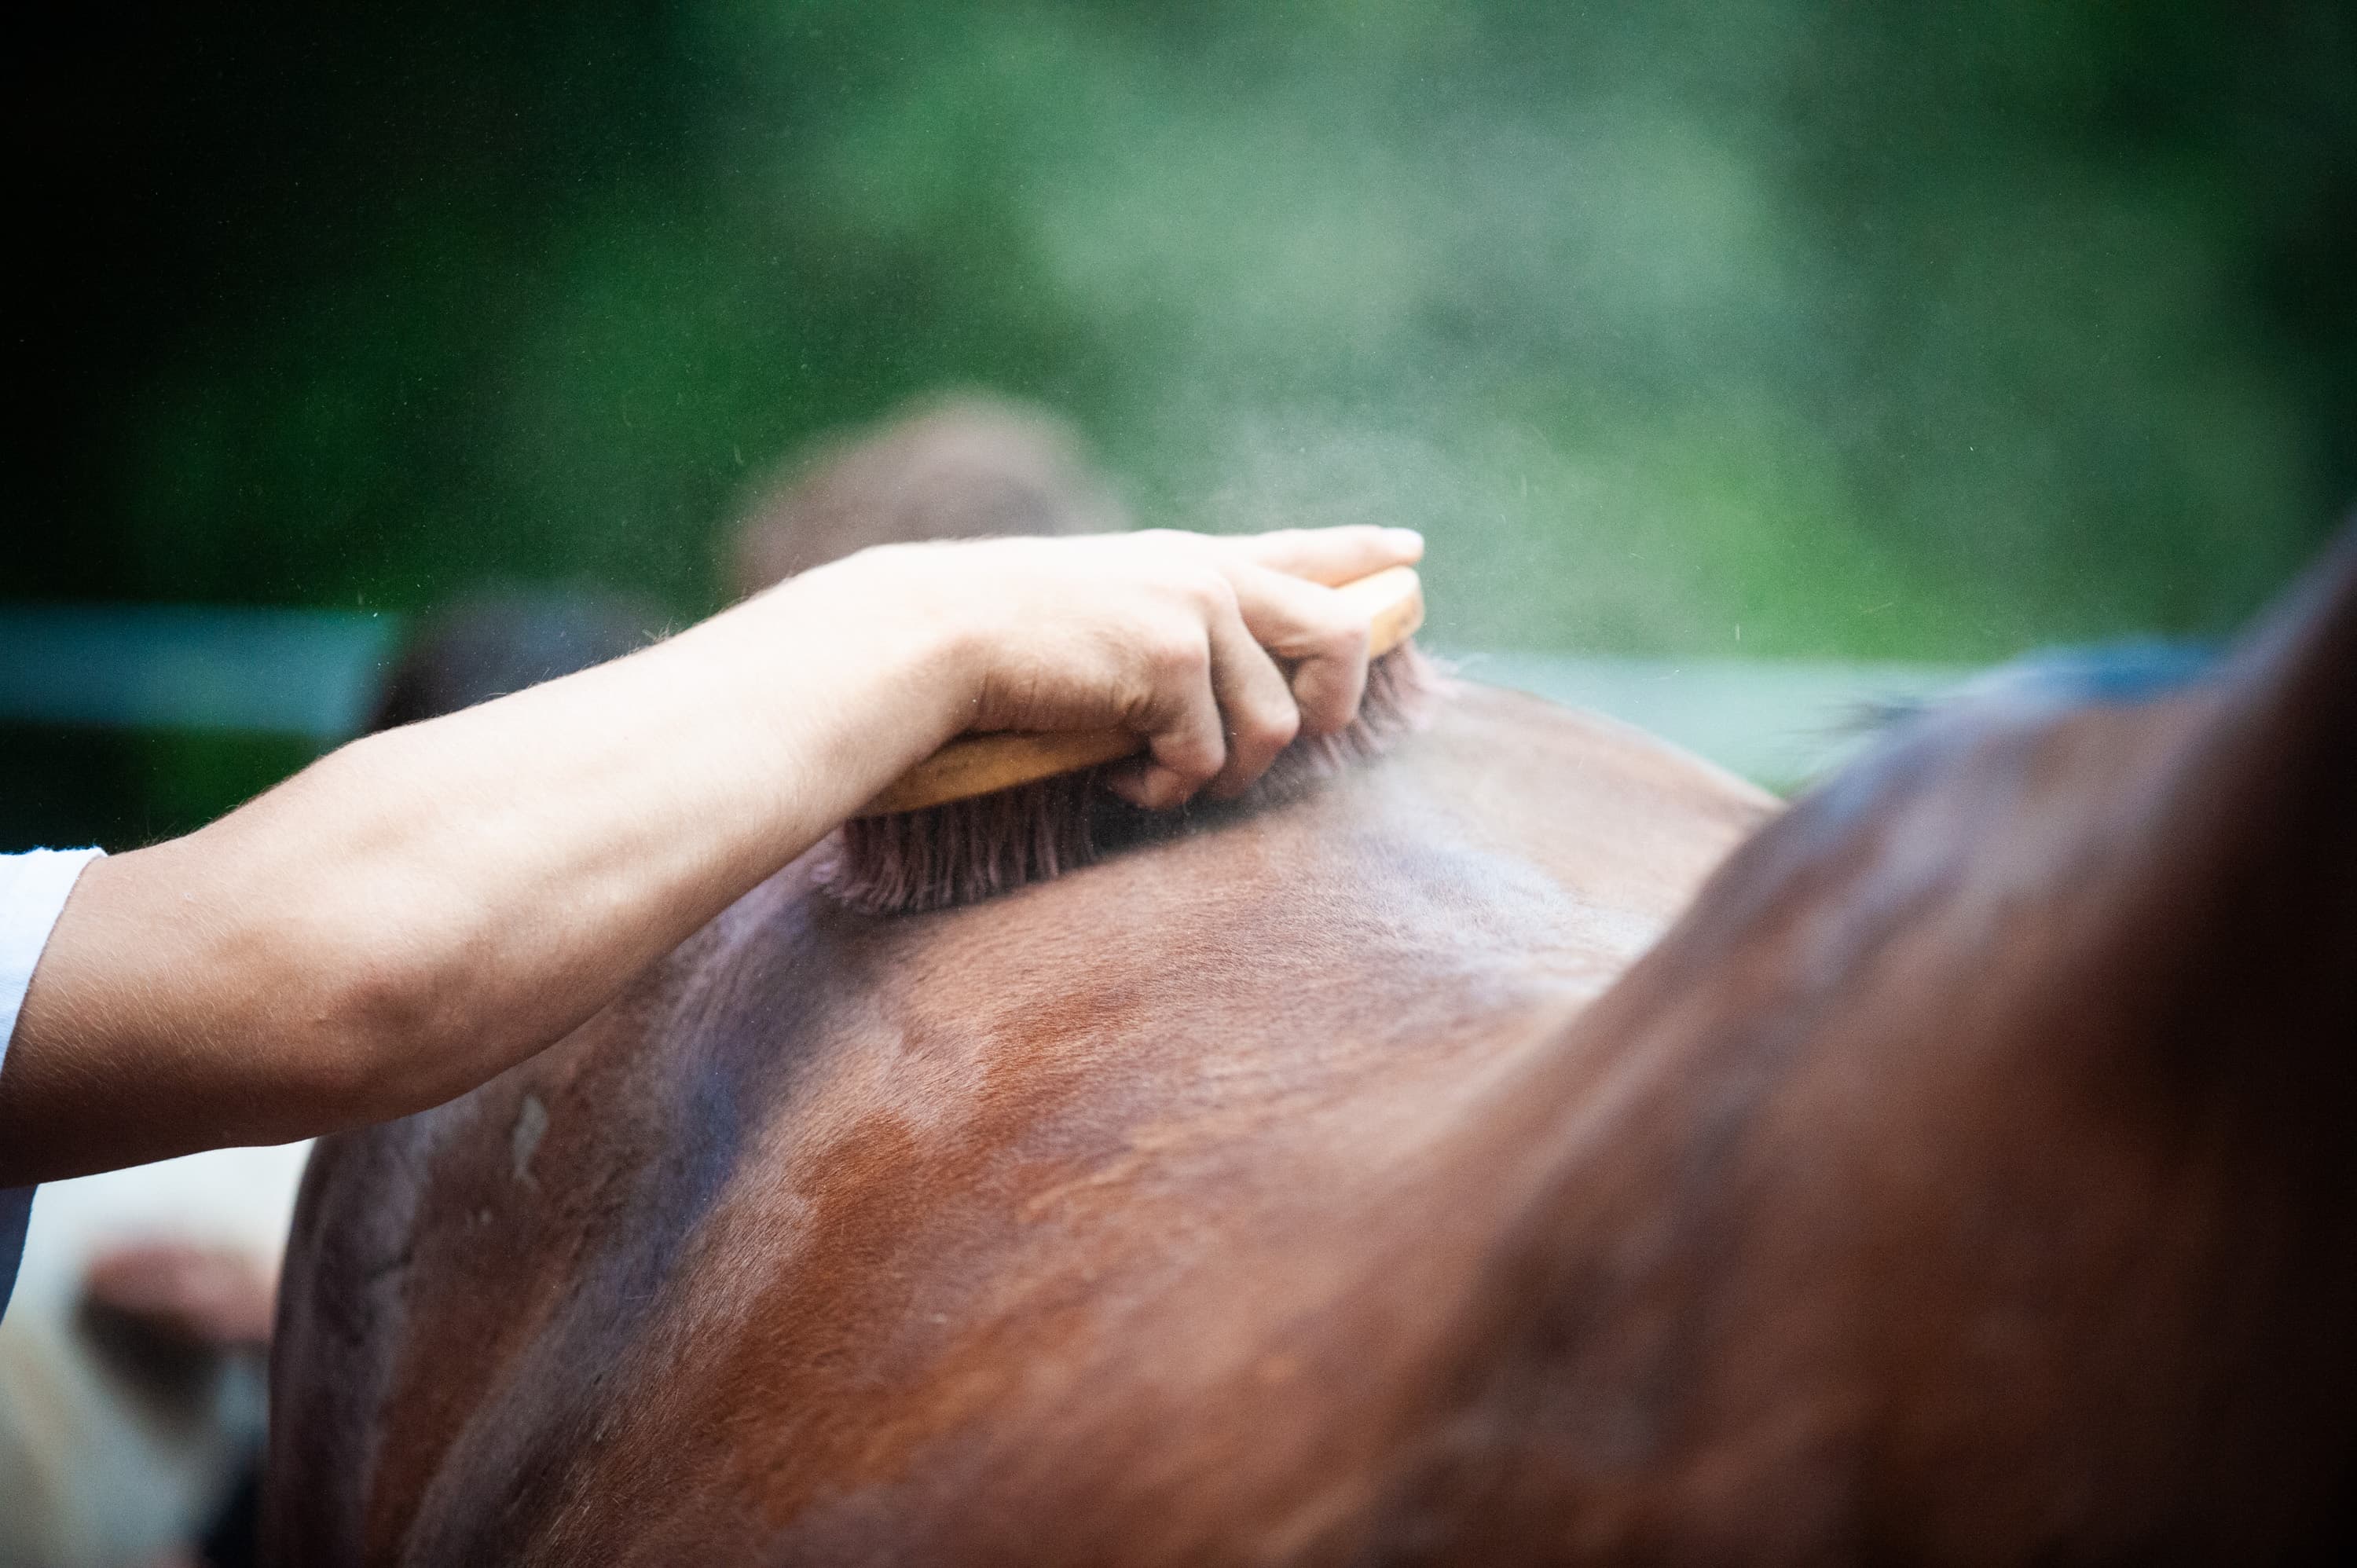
[(966, 849), (970, 850)]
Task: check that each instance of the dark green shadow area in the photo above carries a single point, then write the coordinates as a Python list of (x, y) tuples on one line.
[(65, 786)]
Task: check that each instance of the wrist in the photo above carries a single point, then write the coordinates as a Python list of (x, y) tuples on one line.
[(873, 647), (903, 617)]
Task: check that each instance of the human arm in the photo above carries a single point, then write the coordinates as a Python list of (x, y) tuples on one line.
[(424, 908)]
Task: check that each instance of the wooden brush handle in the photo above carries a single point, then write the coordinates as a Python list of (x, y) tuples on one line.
[(1391, 601)]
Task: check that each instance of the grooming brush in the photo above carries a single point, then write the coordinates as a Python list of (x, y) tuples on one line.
[(990, 812)]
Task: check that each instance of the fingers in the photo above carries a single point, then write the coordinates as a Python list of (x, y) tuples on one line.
[(1219, 710), (1216, 651), (1258, 708), (1179, 715), (1329, 556), (1315, 630)]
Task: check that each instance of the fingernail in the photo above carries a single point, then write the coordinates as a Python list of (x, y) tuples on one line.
[(1406, 538)]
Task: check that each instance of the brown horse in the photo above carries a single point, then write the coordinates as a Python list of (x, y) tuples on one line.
[(1966, 1176)]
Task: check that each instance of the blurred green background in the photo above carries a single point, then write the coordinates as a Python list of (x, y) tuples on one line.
[(1771, 327)]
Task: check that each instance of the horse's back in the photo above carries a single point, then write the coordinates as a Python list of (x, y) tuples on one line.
[(1113, 1213)]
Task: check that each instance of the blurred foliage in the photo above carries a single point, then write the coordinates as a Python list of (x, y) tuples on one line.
[(71, 786), (1874, 330)]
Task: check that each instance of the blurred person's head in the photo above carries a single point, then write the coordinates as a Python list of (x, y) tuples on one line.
[(965, 466), (489, 644)]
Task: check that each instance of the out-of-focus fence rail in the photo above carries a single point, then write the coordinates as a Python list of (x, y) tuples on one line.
[(314, 673), (1777, 722), (311, 673)]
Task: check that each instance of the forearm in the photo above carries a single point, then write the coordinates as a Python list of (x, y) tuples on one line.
[(425, 906)]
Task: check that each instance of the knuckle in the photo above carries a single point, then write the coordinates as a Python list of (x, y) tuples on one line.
[(1197, 758), (1271, 729), (1344, 644), (1210, 591), (1179, 656)]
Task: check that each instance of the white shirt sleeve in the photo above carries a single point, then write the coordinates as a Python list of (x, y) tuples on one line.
[(33, 888)]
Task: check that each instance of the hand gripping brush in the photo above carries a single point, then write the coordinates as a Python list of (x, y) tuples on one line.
[(991, 812)]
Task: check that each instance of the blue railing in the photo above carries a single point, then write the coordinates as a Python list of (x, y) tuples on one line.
[(311, 673)]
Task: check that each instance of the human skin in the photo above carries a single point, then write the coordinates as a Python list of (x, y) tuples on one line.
[(424, 908)]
